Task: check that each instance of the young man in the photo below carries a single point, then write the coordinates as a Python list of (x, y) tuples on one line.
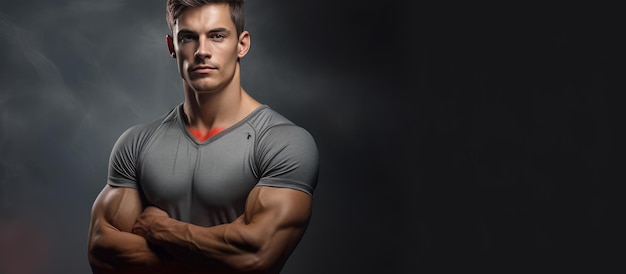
[(221, 183)]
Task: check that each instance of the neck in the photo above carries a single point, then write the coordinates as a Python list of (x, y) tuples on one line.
[(218, 109)]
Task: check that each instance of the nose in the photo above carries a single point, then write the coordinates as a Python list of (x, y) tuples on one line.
[(204, 50)]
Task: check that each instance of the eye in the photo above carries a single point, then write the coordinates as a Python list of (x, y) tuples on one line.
[(185, 38), (217, 36)]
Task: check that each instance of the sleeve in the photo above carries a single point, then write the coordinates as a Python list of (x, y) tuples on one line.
[(123, 160), (288, 157)]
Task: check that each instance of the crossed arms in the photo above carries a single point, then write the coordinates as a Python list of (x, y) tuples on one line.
[(125, 236)]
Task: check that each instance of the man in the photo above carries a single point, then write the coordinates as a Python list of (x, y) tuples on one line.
[(221, 183)]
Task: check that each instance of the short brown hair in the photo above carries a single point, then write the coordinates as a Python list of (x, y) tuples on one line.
[(175, 8)]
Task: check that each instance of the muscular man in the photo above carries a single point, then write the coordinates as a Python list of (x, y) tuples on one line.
[(219, 184)]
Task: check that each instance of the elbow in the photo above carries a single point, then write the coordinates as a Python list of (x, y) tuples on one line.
[(255, 264), (97, 242), (100, 250), (105, 258), (96, 251), (259, 263), (97, 265), (94, 246), (97, 258)]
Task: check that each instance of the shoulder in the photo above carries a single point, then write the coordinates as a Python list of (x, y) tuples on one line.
[(140, 133), (269, 124), (265, 117), (286, 153), (276, 133), (265, 121)]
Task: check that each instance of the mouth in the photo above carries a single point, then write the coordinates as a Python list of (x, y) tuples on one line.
[(202, 69)]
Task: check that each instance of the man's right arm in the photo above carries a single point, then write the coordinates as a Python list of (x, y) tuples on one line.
[(112, 248)]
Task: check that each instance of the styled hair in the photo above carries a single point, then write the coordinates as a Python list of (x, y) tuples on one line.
[(175, 8)]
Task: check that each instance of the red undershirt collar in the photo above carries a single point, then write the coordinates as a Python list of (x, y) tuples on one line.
[(201, 137)]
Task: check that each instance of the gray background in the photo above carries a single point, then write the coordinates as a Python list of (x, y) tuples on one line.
[(451, 137)]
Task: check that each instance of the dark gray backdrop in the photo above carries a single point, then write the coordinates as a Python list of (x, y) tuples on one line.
[(472, 137)]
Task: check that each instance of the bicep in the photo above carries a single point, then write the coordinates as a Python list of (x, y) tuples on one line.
[(115, 210), (117, 207), (112, 247), (277, 218), (283, 205)]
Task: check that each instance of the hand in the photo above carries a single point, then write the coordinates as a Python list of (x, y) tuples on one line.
[(147, 219)]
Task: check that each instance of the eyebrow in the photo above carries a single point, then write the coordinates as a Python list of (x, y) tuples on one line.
[(188, 31)]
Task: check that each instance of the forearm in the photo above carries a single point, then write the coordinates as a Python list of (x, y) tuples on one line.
[(224, 246), (122, 252), (259, 241)]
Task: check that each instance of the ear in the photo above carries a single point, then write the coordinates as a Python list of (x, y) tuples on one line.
[(170, 45), (244, 44)]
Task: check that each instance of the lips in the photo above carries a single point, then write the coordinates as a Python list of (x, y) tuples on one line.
[(202, 69)]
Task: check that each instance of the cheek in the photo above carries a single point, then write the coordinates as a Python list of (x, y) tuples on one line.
[(184, 56), (183, 65)]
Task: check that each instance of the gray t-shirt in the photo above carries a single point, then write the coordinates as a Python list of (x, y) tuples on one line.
[(207, 183)]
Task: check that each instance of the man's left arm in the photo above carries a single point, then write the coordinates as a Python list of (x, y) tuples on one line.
[(260, 241)]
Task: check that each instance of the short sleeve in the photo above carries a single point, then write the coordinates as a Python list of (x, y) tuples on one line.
[(288, 157), (123, 160)]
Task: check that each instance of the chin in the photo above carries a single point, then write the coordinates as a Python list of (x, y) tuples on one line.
[(204, 86), (204, 89)]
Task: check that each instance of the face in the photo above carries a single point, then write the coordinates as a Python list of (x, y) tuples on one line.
[(207, 47)]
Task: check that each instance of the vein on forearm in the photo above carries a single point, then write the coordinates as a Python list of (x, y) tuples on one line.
[(205, 242), (262, 238)]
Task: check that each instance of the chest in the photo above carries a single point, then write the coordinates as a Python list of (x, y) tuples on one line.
[(174, 170)]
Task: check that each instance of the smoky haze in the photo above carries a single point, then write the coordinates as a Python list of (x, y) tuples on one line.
[(450, 137), (76, 74)]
